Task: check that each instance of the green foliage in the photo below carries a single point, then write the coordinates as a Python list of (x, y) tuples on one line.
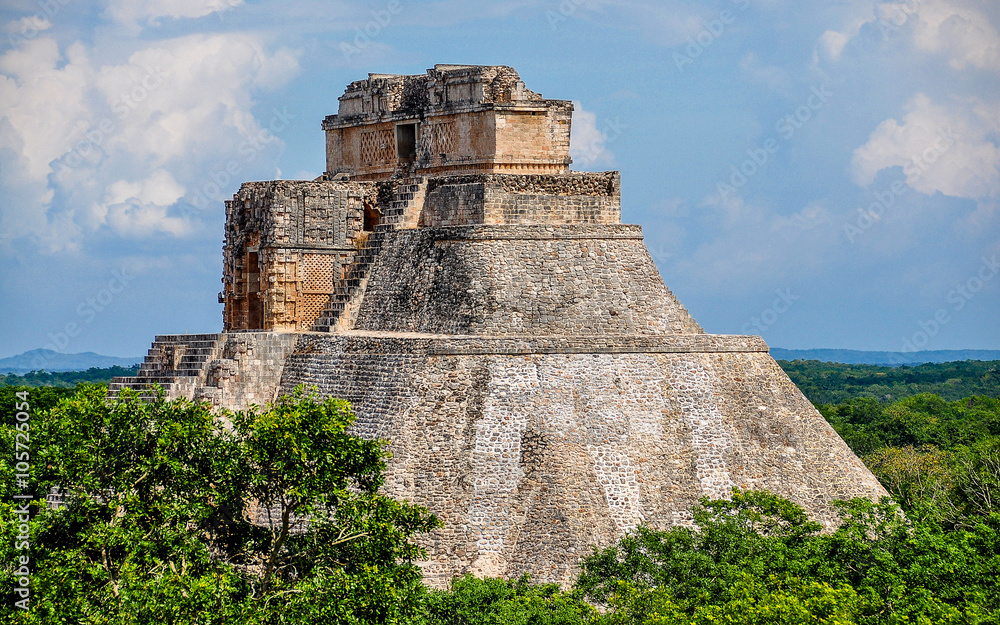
[(832, 383), (42, 399), (473, 601), (66, 379), (170, 517), (752, 602), (940, 460), (156, 525), (867, 425), (758, 559), (755, 533)]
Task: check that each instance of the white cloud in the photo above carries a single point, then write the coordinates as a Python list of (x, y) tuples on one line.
[(958, 29), (771, 76), (83, 146), (948, 148), (833, 42), (589, 141), (749, 246), (158, 188), (853, 15), (137, 219), (27, 26), (132, 13)]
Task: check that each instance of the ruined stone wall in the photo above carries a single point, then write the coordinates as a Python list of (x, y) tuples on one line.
[(534, 136), (577, 198), (500, 141), (466, 119), (531, 457), (449, 141), (507, 280), (286, 242), (247, 370), (444, 142)]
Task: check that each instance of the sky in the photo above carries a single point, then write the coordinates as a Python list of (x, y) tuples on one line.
[(822, 174)]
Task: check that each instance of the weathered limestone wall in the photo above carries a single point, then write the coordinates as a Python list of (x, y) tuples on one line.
[(577, 198), (531, 456), (498, 141), (286, 243), (248, 369), (539, 137), (503, 280), (463, 118)]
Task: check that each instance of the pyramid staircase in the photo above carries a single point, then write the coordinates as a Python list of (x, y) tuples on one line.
[(341, 313), (178, 363)]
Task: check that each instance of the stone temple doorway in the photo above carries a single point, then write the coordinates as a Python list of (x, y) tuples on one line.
[(406, 142)]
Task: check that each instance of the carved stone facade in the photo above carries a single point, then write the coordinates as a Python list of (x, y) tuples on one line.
[(453, 119), (541, 388), (286, 245)]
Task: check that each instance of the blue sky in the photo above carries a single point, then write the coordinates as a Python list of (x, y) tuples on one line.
[(821, 174)]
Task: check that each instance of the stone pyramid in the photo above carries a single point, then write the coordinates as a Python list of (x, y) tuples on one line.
[(485, 311)]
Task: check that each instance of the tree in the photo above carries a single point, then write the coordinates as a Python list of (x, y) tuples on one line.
[(759, 559), (491, 601), (157, 522)]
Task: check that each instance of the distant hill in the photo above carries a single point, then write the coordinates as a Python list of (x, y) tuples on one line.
[(66, 379), (38, 359), (856, 357)]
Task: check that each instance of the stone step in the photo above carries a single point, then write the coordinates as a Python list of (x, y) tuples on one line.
[(194, 349), (168, 373), (185, 338), (143, 387), (151, 379), (407, 189), (152, 361)]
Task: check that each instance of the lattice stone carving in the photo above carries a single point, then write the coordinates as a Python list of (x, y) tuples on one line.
[(377, 146), (317, 283), (442, 137)]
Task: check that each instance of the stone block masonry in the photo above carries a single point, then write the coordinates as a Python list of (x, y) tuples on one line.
[(531, 458), (504, 280), (232, 370), (485, 312), (523, 200), (453, 119)]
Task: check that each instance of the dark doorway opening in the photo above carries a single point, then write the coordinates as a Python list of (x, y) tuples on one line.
[(372, 215), (255, 303), (406, 142)]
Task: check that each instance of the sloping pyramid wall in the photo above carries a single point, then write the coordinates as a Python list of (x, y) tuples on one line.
[(544, 393)]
